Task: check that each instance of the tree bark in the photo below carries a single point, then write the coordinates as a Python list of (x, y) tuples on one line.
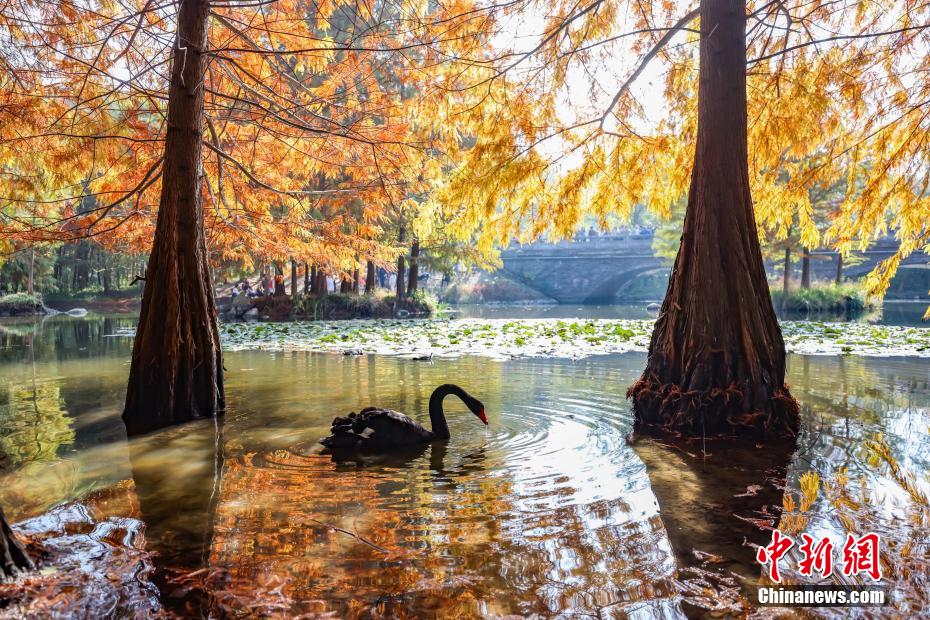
[(314, 281), (716, 361), (412, 285), (806, 269), (177, 368), (322, 286), (400, 292), (30, 283), (839, 268), (786, 278), (307, 287), (13, 556), (279, 279), (293, 278), (355, 278), (370, 276)]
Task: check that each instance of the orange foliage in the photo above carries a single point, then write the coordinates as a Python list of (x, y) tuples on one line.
[(317, 128)]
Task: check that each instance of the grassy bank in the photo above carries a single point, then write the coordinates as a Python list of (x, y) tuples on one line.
[(491, 288), (127, 300), (19, 304), (834, 300), (335, 306)]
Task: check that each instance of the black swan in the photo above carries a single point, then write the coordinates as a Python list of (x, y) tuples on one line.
[(382, 430)]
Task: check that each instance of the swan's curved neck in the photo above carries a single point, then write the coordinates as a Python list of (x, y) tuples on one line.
[(436, 416)]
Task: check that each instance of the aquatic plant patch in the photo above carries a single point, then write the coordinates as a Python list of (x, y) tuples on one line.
[(507, 338)]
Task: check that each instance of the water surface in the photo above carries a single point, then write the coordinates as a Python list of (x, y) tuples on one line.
[(892, 312), (550, 510)]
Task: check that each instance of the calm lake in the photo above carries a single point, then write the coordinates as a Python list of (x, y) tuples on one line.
[(892, 312), (551, 510)]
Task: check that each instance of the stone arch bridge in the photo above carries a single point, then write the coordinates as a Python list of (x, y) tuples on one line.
[(601, 269)]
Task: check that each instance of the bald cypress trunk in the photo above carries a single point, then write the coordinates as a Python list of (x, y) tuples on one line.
[(370, 277), (717, 359), (413, 281), (293, 278), (806, 269), (786, 277), (13, 556), (401, 291), (177, 370), (31, 278), (279, 289)]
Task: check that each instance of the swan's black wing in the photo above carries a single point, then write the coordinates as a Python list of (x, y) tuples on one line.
[(375, 430)]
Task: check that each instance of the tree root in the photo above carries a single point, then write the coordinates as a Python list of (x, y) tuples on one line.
[(13, 556), (718, 411)]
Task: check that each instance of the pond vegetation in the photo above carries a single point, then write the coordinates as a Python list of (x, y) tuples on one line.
[(507, 338)]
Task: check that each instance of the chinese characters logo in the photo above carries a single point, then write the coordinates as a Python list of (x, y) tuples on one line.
[(859, 555)]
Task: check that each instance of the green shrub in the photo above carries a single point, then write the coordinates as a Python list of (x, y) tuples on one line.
[(842, 300), (380, 304), (21, 300), (20, 303)]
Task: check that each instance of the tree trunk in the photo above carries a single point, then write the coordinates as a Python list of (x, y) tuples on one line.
[(344, 285), (717, 358), (177, 368), (401, 269), (322, 287), (13, 556), (355, 275), (370, 283), (806, 269), (307, 288), (30, 282), (414, 268), (293, 278), (786, 278), (314, 281), (279, 279), (839, 268)]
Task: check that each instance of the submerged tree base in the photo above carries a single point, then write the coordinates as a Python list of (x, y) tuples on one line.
[(13, 556), (712, 412)]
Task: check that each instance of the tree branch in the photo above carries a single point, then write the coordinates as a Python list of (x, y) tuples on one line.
[(841, 37), (652, 53)]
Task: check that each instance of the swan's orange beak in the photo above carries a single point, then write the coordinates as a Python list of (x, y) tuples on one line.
[(482, 416)]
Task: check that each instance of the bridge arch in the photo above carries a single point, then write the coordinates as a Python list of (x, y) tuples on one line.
[(607, 292)]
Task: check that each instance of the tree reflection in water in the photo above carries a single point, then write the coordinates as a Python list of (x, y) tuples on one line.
[(177, 474), (294, 532), (718, 499)]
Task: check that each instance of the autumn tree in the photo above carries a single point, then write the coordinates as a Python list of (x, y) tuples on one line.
[(776, 84), (717, 359), (217, 130)]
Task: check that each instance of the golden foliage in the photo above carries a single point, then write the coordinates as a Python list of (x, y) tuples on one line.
[(329, 121)]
